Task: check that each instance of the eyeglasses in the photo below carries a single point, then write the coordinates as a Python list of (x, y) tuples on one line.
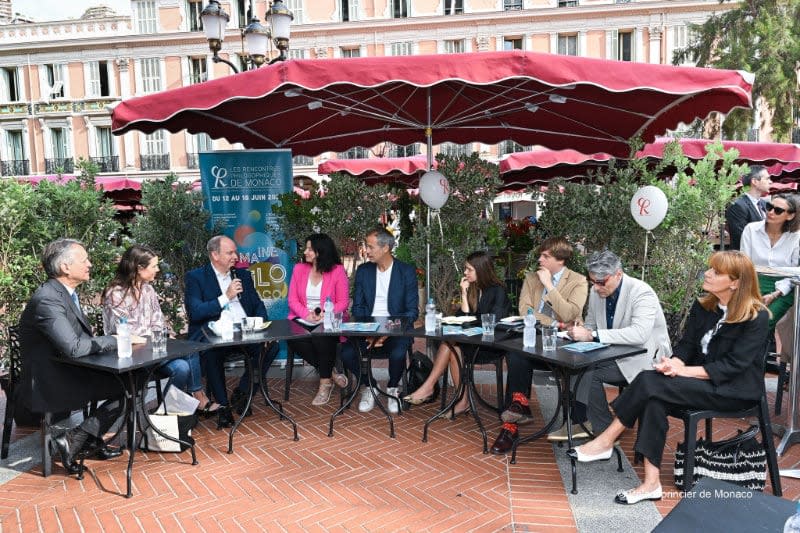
[(777, 210), (599, 283)]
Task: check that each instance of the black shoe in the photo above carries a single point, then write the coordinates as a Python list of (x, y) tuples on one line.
[(104, 452), (224, 417), (238, 401), (61, 446), (505, 441)]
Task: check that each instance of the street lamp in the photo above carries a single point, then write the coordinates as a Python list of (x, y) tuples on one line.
[(255, 36), (280, 18)]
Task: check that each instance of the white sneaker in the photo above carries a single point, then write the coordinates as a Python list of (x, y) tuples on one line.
[(367, 402), (393, 407)]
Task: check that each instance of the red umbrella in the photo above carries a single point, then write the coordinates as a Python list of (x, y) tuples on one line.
[(761, 153), (522, 168), (313, 106), (542, 165), (376, 169)]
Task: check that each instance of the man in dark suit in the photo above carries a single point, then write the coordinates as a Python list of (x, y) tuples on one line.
[(384, 287), (208, 290), (54, 326), (749, 207)]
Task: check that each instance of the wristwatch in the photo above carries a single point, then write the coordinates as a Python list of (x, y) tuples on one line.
[(595, 336)]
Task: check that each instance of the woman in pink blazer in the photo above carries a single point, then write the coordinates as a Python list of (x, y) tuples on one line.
[(319, 277)]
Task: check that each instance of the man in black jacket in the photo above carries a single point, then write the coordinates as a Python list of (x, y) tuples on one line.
[(749, 207)]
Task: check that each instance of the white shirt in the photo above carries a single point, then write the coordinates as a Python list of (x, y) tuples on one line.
[(785, 253), (235, 306), (382, 279), (313, 293), (713, 331)]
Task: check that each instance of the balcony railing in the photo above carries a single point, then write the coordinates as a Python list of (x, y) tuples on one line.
[(512, 5), (15, 167), (155, 162), (303, 160), (796, 135), (359, 152), (409, 150), (192, 161), (106, 163), (752, 135), (59, 165)]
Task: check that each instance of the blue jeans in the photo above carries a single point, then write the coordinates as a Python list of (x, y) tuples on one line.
[(179, 373), (394, 347)]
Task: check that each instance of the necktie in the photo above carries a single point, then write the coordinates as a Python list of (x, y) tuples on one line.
[(76, 301), (762, 209)]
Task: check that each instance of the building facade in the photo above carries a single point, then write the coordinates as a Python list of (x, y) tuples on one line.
[(58, 80)]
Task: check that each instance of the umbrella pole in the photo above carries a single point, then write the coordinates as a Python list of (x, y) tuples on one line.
[(429, 141)]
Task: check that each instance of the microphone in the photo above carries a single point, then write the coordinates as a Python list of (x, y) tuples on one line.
[(234, 274), (317, 310)]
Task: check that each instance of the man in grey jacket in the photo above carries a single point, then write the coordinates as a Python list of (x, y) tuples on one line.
[(53, 326), (622, 310)]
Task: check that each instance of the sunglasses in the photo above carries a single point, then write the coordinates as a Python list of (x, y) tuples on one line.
[(777, 210), (600, 283)]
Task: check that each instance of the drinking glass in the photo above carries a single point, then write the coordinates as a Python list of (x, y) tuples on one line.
[(159, 340), (248, 328), (549, 338), (488, 322), (336, 321)]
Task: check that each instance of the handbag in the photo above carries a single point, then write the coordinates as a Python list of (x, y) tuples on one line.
[(419, 369), (177, 426), (741, 460), (176, 418)]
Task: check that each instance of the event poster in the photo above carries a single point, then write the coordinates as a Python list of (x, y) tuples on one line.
[(239, 189)]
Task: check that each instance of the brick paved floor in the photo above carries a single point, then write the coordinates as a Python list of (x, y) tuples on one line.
[(358, 480)]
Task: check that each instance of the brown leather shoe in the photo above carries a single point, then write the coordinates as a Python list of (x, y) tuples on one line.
[(505, 440), (517, 414)]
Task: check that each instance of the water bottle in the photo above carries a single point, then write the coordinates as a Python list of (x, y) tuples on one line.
[(124, 348), (430, 317), (529, 331), (327, 318), (225, 323), (792, 524)]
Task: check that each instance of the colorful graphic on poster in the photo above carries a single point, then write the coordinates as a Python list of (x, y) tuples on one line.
[(239, 189)]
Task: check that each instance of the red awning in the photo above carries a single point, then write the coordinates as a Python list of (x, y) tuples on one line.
[(319, 105)]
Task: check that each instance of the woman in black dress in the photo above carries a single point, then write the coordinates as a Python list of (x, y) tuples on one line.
[(481, 292), (718, 364)]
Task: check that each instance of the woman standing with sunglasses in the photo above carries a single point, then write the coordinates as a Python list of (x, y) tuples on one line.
[(775, 242)]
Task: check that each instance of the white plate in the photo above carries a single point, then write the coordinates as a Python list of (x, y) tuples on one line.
[(457, 319), (510, 319)]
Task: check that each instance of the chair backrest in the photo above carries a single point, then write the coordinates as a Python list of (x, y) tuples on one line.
[(14, 359)]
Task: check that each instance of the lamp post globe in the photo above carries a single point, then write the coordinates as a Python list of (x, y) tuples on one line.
[(215, 20)]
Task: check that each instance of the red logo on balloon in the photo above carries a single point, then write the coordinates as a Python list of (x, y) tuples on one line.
[(644, 205)]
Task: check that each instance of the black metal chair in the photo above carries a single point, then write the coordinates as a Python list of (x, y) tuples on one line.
[(777, 365), (482, 359), (289, 370), (692, 417), (8, 383)]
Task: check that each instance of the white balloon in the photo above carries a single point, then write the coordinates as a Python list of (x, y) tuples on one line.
[(649, 207), (434, 189)]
